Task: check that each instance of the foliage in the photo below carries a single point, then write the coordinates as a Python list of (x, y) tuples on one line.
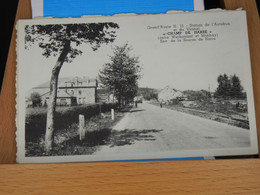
[(201, 95), (52, 37), (121, 74), (62, 40), (229, 87), (35, 123), (148, 93), (236, 88), (36, 99)]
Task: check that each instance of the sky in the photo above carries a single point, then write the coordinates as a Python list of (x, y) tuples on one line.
[(183, 66)]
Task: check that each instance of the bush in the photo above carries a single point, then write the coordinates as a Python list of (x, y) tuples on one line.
[(202, 95), (35, 124)]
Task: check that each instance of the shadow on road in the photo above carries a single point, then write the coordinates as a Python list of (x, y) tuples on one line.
[(110, 138), (130, 136), (137, 110), (94, 141)]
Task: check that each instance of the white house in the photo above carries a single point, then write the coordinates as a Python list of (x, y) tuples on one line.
[(169, 94), (166, 94), (71, 91)]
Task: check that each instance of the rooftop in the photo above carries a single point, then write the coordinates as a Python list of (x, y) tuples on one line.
[(63, 80)]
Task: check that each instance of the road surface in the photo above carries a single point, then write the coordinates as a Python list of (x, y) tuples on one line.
[(149, 128)]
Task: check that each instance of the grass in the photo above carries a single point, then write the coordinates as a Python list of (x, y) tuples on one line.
[(221, 111), (66, 140), (99, 132), (35, 121)]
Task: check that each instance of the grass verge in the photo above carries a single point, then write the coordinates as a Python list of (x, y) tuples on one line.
[(66, 140), (221, 115)]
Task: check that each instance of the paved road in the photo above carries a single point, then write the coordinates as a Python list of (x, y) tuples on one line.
[(150, 128)]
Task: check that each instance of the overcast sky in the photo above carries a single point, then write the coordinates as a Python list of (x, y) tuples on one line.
[(187, 65)]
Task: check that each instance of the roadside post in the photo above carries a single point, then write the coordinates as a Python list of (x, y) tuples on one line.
[(81, 127), (112, 114)]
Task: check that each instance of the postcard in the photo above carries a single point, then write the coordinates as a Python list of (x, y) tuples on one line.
[(134, 88)]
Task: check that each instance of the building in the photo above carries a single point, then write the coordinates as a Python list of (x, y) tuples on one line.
[(168, 94), (105, 95), (71, 91), (63, 98), (84, 89)]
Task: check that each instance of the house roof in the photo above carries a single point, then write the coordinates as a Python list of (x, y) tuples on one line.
[(63, 80), (168, 88), (47, 84), (178, 94)]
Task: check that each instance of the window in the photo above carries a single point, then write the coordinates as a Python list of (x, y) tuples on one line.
[(63, 102)]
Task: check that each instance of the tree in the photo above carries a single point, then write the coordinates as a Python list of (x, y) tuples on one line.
[(148, 93), (229, 87), (61, 41), (36, 99), (201, 95), (236, 88), (121, 74), (224, 86)]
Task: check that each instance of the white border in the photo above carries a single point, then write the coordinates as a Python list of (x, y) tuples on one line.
[(199, 5), (20, 118), (37, 8)]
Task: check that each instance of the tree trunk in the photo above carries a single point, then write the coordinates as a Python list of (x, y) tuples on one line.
[(53, 95), (120, 101)]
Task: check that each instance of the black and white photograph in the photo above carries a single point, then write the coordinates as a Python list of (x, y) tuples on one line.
[(134, 87)]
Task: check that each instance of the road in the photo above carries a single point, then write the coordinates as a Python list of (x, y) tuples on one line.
[(149, 128)]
